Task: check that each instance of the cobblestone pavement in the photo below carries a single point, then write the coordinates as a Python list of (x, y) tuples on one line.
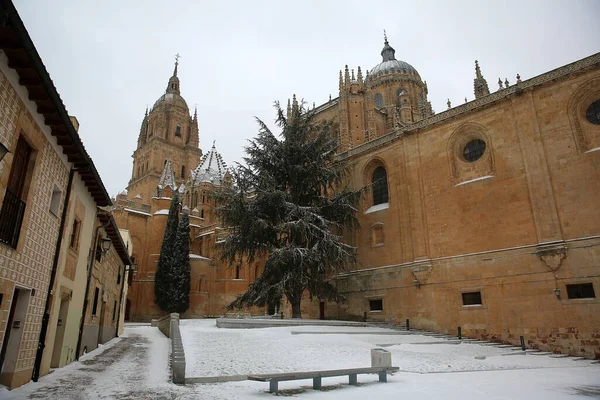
[(134, 366)]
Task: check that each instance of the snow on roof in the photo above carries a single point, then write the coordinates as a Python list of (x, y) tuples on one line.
[(162, 212), (211, 169), (198, 257), (137, 212), (378, 207), (167, 178)]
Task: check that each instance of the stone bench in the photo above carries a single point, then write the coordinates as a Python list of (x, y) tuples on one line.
[(316, 376)]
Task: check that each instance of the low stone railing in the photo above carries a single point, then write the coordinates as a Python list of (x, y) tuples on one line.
[(169, 326)]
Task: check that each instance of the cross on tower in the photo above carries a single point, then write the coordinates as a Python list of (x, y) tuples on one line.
[(177, 56)]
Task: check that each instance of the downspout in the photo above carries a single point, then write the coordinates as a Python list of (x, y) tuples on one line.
[(87, 287), (46, 318), (121, 300)]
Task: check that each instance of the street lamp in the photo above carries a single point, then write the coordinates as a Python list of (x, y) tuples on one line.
[(106, 242), (3, 151)]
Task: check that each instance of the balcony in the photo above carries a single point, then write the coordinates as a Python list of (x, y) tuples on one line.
[(11, 218)]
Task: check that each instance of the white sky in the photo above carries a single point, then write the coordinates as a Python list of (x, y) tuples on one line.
[(110, 59)]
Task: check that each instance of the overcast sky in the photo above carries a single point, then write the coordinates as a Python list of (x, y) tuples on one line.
[(110, 59)]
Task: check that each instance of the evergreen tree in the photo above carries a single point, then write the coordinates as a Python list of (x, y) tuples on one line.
[(162, 279), (180, 276), (289, 211)]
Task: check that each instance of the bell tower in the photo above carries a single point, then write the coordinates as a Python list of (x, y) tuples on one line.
[(168, 132)]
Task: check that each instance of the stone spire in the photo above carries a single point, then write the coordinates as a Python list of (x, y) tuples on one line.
[(359, 76), (173, 85), (388, 53), (480, 85), (167, 178)]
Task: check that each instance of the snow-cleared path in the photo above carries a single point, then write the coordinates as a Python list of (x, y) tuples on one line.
[(134, 366)]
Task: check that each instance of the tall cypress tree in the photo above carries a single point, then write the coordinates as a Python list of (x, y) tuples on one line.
[(163, 279), (290, 210), (180, 293)]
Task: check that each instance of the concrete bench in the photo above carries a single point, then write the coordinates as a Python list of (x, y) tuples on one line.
[(316, 376)]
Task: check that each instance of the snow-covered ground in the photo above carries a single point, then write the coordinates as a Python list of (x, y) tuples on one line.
[(427, 370), (211, 351), (136, 366)]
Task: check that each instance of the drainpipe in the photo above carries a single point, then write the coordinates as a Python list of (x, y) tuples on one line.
[(121, 300), (46, 318), (92, 257)]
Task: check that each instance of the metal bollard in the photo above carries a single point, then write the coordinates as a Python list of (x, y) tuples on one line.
[(459, 332), (522, 343), (407, 324)]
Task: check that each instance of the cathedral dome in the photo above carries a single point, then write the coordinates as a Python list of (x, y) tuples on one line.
[(171, 99), (390, 64), (211, 169)]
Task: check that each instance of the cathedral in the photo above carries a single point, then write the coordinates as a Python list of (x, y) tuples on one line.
[(487, 220)]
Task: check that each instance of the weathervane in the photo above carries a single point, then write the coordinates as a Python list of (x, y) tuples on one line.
[(177, 56)]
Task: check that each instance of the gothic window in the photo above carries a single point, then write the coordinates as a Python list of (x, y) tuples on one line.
[(183, 172), (237, 272), (474, 150), (378, 100), (380, 187), (178, 130), (593, 113), (201, 213)]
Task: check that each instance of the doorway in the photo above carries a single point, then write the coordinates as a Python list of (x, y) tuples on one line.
[(12, 336), (60, 332), (322, 310), (127, 310)]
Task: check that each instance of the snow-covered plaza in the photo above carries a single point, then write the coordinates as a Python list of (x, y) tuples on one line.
[(136, 366)]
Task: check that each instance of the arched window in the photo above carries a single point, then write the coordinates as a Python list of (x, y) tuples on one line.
[(183, 172), (178, 130), (380, 187), (237, 272), (378, 100)]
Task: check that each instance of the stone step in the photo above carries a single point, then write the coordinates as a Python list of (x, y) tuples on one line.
[(540, 353), (560, 356)]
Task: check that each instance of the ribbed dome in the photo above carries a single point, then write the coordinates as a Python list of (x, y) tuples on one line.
[(171, 98), (390, 64), (211, 169), (393, 66)]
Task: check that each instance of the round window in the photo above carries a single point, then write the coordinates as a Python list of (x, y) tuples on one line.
[(593, 113), (378, 100), (474, 150)]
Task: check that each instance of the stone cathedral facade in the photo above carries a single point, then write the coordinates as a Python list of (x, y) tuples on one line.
[(487, 220)]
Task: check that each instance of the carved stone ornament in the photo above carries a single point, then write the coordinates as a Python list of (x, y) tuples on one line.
[(552, 254), (421, 270)]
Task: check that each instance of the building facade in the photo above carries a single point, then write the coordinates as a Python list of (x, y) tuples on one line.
[(50, 192), (482, 217)]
